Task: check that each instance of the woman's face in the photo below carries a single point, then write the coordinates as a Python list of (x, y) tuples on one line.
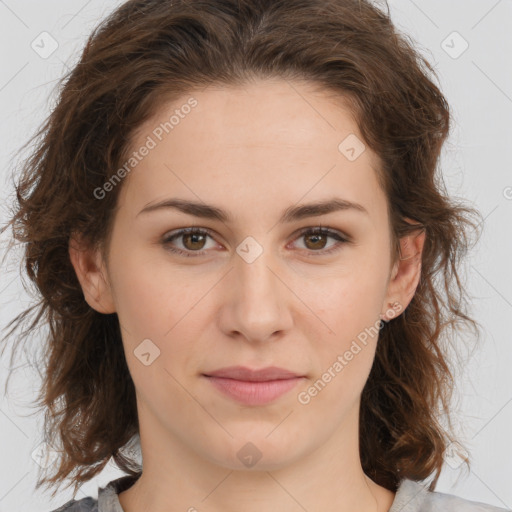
[(257, 290)]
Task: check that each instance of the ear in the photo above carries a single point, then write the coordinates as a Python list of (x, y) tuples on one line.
[(405, 275), (91, 272)]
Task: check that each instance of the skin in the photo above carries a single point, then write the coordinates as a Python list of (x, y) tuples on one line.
[(253, 151)]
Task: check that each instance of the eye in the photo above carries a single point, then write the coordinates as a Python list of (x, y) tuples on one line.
[(193, 240), (317, 237)]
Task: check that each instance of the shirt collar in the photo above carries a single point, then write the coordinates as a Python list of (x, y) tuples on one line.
[(408, 495), (108, 499)]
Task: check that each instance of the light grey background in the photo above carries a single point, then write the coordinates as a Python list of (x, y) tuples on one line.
[(477, 166)]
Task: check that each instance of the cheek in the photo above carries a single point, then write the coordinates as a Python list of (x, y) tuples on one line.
[(140, 300), (347, 310), (156, 303), (345, 356), (150, 298), (348, 303)]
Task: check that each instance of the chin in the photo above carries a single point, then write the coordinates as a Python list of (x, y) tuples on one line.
[(258, 452)]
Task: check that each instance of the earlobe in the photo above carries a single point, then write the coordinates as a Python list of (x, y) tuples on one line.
[(406, 274), (91, 273)]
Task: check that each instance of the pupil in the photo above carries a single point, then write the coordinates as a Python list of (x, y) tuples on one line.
[(318, 237), (194, 238)]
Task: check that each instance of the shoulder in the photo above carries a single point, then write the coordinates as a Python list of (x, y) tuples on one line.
[(413, 496), (107, 501), (84, 505)]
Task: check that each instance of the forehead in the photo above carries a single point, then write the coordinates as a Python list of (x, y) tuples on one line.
[(262, 142)]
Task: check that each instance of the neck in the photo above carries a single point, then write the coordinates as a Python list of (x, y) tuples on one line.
[(329, 478)]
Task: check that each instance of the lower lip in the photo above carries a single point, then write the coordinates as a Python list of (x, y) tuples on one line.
[(253, 393)]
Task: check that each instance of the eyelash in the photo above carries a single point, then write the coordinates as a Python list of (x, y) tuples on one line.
[(319, 230)]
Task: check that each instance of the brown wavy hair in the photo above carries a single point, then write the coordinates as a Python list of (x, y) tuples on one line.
[(150, 51)]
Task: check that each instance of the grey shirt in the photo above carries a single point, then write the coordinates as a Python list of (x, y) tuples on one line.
[(410, 496)]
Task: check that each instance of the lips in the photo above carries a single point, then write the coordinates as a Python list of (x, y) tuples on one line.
[(253, 387), (249, 375)]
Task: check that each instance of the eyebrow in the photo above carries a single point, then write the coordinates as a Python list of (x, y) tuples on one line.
[(291, 214)]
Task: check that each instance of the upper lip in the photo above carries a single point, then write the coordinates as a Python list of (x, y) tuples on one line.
[(248, 374)]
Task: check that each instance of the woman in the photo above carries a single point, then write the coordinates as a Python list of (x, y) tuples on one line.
[(235, 224)]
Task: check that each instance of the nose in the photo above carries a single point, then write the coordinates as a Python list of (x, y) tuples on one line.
[(257, 302)]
